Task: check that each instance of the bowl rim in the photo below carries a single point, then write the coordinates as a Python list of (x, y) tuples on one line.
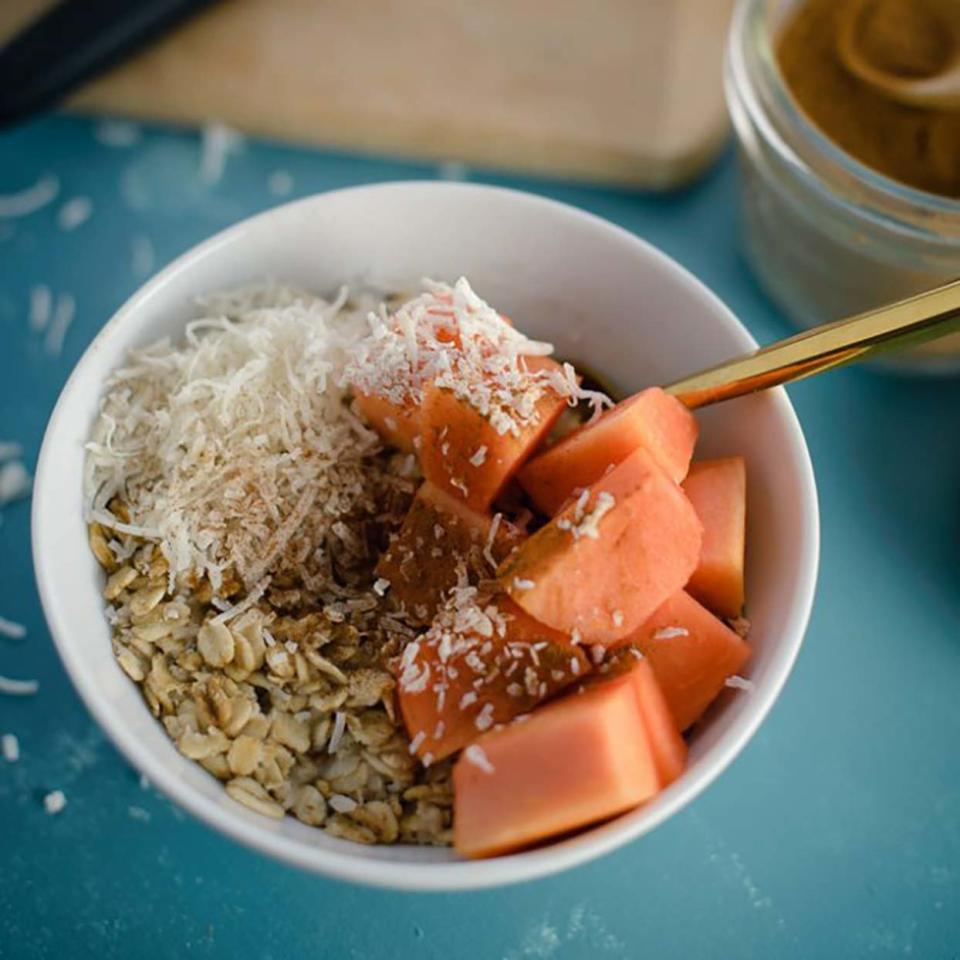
[(401, 875)]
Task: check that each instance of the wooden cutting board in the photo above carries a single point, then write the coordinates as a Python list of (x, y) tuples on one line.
[(626, 91)]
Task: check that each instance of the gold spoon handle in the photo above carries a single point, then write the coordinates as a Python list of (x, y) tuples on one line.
[(907, 323)]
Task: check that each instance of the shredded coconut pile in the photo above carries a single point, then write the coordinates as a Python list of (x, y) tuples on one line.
[(453, 338), (236, 450)]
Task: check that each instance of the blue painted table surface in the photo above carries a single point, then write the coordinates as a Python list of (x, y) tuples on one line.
[(835, 834)]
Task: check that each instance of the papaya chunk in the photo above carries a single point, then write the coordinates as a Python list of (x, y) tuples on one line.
[(398, 424), (609, 559), (574, 762), (462, 451), (692, 653), (628, 665), (477, 666), (651, 419), (718, 491), (440, 541)]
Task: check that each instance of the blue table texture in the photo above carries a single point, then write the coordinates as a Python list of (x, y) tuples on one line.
[(835, 834)]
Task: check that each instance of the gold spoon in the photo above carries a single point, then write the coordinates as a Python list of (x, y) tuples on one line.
[(907, 323), (939, 90)]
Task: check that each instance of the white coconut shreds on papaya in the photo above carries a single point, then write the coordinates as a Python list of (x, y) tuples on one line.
[(450, 336), (236, 450)]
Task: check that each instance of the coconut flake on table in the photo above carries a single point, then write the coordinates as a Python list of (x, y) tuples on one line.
[(54, 802), (28, 201), (142, 256), (10, 747), (11, 629), (63, 315), (217, 142), (280, 183), (74, 213), (41, 307), (18, 688), (15, 482)]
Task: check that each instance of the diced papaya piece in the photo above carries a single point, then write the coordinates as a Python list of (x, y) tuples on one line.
[(464, 453), (478, 668), (398, 424), (669, 748), (651, 419), (440, 538), (627, 664), (718, 491), (581, 759), (692, 653), (608, 560)]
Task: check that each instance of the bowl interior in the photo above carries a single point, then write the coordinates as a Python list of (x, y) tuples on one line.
[(604, 298)]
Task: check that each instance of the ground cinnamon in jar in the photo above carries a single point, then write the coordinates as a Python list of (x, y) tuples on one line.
[(919, 147)]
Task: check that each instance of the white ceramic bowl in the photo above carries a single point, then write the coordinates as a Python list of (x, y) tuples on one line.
[(603, 297)]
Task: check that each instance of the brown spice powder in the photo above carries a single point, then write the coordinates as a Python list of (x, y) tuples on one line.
[(918, 147)]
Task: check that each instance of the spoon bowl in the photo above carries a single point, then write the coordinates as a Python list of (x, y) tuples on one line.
[(939, 90)]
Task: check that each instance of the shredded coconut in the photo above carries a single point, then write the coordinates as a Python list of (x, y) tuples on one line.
[(280, 183), (738, 683), (339, 725), (491, 538), (28, 201), (142, 255), (10, 747), (75, 212), (477, 756), (668, 633), (15, 631), (14, 482), (218, 141), (217, 477), (617, 618), (63, 315), (54, 802), (18, 688), (479, 456), (484, 719), (588, 526), (41, 307), (520, 584), (451, 337)]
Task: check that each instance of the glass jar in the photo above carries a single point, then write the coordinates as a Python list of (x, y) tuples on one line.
[(826, 235)]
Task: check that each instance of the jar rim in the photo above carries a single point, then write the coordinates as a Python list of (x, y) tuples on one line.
[(752, 71)]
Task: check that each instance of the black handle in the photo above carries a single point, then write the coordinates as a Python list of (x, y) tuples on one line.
[(73, 42)]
